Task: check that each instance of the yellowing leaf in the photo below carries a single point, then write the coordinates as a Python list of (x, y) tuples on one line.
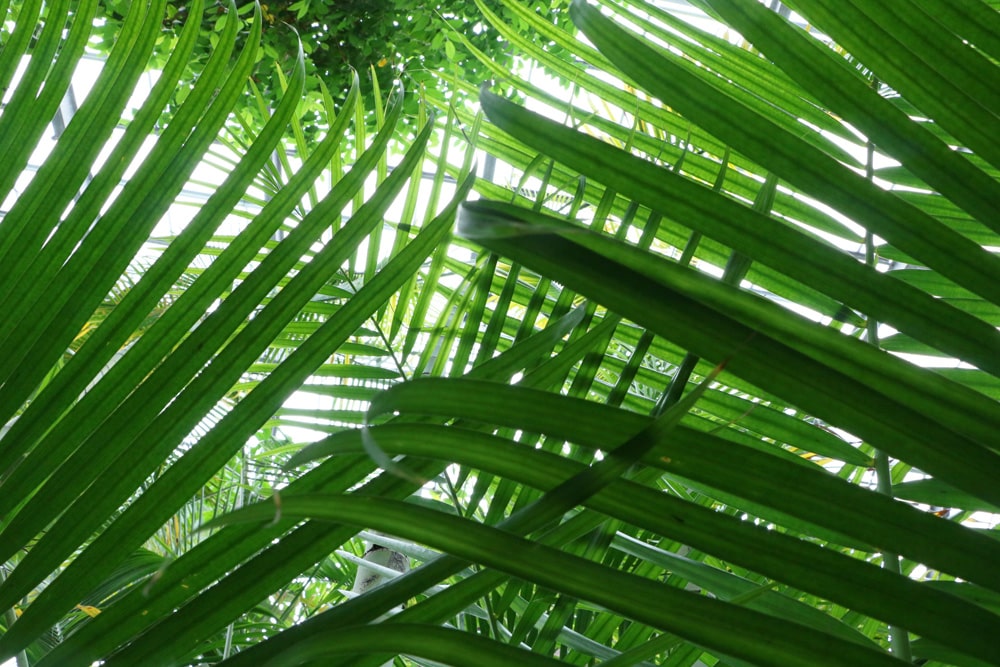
[(88, 610)]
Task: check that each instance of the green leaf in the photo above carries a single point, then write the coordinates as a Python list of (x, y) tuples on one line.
[(733, 630), (443, 645), (774, 148), (716, 321), (938, 494)]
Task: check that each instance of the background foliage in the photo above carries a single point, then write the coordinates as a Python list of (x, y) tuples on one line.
[(657, 402), (384, 39)]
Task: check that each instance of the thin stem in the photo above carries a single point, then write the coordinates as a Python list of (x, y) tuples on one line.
[(899, 640), (381, 333)]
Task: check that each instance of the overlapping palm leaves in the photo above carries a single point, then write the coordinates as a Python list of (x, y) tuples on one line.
[(98, 458), (734, 525), (756, 108)]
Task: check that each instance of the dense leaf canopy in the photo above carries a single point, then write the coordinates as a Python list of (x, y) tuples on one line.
[(699, 366), (381, 39)]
